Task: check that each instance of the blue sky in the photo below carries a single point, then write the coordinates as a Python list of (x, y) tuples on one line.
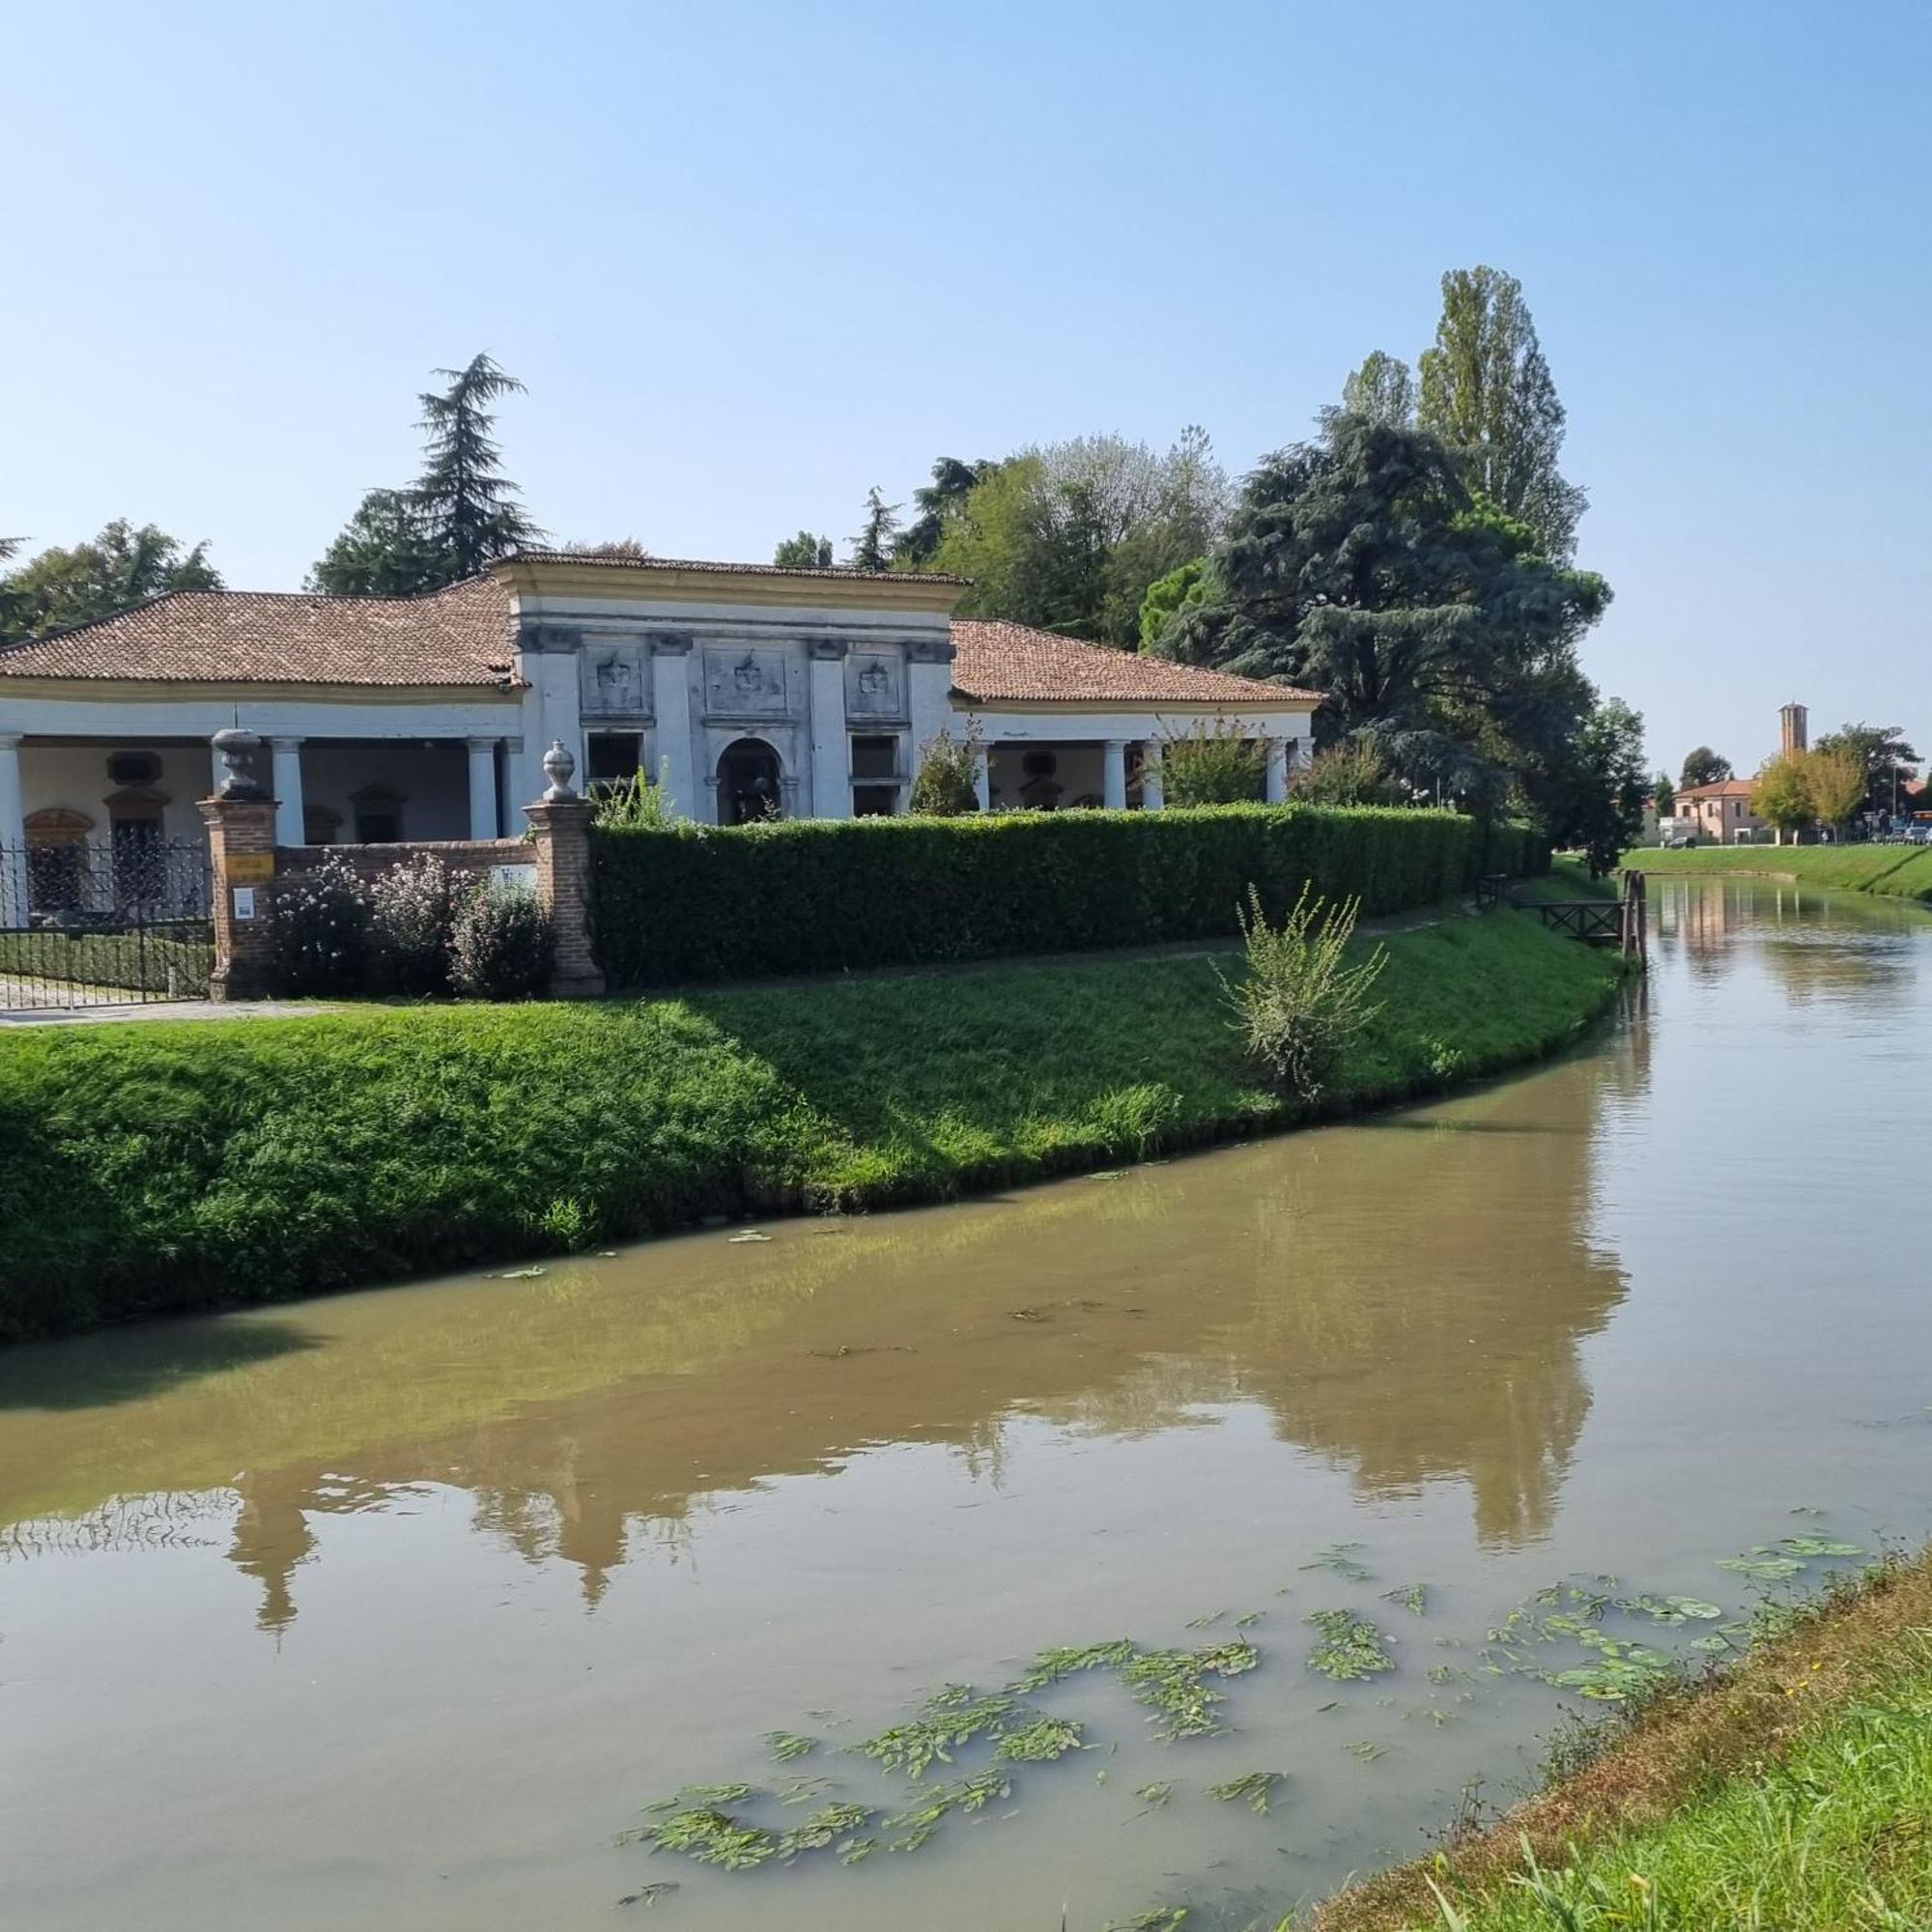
[(750, 259)]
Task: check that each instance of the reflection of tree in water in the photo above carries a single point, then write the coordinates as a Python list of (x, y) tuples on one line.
[(1406, 1297), (1410, 1296)]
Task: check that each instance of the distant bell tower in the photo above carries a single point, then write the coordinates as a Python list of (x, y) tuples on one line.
[(1794, 734)]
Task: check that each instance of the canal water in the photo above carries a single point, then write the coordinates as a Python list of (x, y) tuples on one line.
[(396, 1610)]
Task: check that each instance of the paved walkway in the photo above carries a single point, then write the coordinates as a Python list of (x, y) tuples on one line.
[(22, 1015)]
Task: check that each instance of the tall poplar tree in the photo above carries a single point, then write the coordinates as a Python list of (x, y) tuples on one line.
[(1486, 391)]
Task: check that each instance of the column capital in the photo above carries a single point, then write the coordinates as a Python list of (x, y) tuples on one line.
[(478, 744), (284, 741), (9, 741), (1116, 744), (671, 644), (828, 649)]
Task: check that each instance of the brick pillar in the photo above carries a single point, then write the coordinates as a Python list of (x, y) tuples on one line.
[(563, 884), (241, 843)]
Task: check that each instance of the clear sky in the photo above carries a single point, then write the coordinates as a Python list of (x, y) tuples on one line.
[(751, 258)]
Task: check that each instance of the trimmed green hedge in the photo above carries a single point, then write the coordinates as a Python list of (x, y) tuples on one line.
[(813, 896)]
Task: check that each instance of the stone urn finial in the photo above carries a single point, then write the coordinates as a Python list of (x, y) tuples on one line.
[(235, 745), (559, 766)]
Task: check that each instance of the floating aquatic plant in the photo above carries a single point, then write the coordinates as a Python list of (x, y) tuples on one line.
[(689, 1795), (1411, 1597), (1070, 1660), (782, 1746), (1156, 1794), (802, 1790), (1671, 1611), (1818, 1545), (1762, 1565), (1173, 1684), (829, 1825), (1039, 1741), (1350, 1646), (917, 1822), (1620, 1671), (1255, 1789), (649, 1894), (951, 1716), (1340, 1559), (1367, 1749), (1201, 1623), (1156, 1919), (713, 1837)]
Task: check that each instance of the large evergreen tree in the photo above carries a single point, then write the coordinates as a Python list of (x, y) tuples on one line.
[(1702, 766), (458, 517), (123, 565), (953, 481), (1486, 391), (872, 547), (1362, 564)]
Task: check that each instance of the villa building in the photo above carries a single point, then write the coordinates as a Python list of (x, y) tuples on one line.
[(752, 689), (1721, 812)]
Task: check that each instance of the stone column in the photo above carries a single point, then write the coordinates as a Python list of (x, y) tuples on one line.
[(483, 821), (1276, 787), (982, 776), (291, 827), (1113, 775), (240, 821), (671, 701), (1153, 781), (563, 823), (929, 691), (12, 834), (831, 754)]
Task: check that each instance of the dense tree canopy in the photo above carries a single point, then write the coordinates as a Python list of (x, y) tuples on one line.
[(1594, 797), (952, 481), (1701, 767), (123, 565), (1884, 756), (805, 551), (1068, 536), (461, 514), (1486, 391), (1362, 565), (1783, 794), (1382, 391)]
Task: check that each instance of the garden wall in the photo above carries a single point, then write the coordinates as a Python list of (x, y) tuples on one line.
[(826, 896)]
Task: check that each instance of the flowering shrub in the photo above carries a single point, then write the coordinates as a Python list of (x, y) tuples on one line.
[(414, 907), (321, 932), (502, 946)]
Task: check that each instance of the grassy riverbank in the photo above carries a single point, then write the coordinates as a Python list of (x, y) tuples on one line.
[(1894, 871), (157, 1166), (1796, 1791)]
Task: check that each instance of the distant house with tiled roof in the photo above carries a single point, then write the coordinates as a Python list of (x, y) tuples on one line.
[(1721, 812), (752, 689)]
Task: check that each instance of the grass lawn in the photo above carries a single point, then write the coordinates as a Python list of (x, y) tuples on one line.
[(1898, 872), (1794, 1792), (156, 1166)]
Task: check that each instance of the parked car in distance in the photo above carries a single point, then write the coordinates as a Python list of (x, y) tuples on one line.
[(1674, 834)]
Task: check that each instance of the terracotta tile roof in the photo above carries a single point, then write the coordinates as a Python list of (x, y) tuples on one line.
[(605, 561), (1721, 788), (1012, 662), (461, 636)]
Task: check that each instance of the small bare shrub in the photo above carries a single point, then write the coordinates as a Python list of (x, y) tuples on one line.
[(502, 946), (1347, 774), (1302, 1003), (320, 936), (414, 907)]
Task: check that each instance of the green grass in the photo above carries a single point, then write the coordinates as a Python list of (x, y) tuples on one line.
[(122, 961), (159, 1166), (1795, 1791), (1895, 871), (1567, 880)]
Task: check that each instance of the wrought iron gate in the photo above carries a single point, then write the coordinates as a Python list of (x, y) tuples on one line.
[(85, 924)]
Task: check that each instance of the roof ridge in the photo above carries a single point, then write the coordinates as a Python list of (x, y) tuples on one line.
[(835, 571)]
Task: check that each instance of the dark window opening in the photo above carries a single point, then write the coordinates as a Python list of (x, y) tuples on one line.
[(379, 828), (615, 757), (875, 757), (132, 768), (875, 801)]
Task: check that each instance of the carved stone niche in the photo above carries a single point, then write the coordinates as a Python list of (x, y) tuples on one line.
[(746, 682), (875, 687), (615, 680)]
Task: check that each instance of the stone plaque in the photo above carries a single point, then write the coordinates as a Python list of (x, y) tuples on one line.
[(874, 686), (747, 683), (250, 869), (615, 680)]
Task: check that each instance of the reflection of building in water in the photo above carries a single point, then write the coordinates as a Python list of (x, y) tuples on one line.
[(1405, 1297)]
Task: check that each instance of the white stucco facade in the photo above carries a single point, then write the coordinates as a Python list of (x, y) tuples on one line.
[(750, 693)]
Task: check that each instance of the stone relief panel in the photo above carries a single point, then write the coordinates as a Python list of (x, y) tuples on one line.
[(747, 682), (615, 680), (874, 686)]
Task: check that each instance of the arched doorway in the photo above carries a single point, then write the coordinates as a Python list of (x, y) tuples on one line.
[(748, 784)]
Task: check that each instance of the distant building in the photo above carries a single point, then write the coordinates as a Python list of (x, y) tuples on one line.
[(1723, 812), (1794, 730)]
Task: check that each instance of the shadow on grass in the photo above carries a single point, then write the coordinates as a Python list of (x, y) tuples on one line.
[(132, 1364)]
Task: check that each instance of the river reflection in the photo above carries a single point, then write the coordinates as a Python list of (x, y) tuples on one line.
[(391, 1608)]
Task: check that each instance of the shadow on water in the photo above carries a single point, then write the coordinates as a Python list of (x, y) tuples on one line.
[(134, 1364)]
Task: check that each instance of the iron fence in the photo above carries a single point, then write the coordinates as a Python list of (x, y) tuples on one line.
[(101, 923)]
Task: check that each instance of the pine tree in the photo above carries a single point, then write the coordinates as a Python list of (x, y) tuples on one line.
[(872, 547), (468, 506)]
